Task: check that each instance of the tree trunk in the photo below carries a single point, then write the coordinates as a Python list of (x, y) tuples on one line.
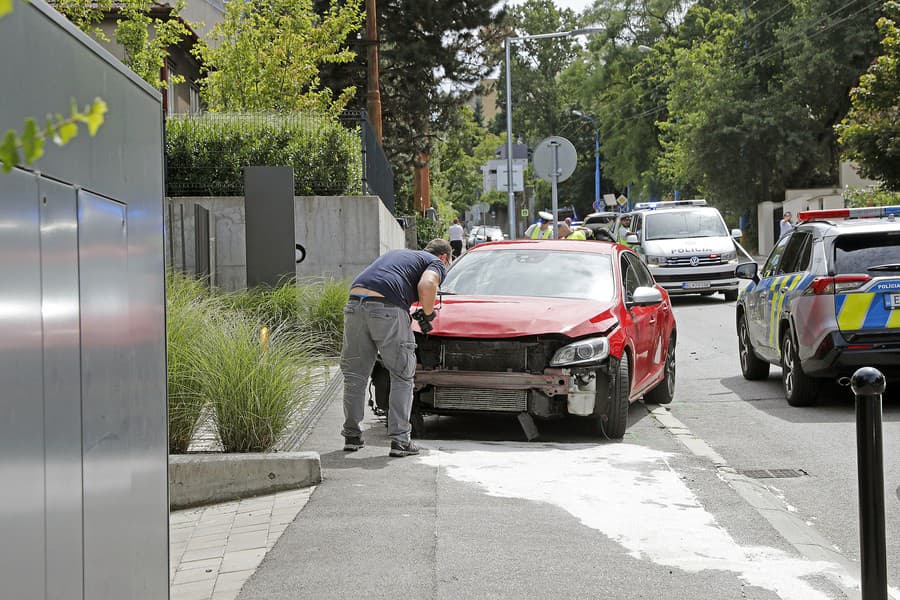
[(421, 183)]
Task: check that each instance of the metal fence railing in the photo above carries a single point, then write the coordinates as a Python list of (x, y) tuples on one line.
[(377, 174)]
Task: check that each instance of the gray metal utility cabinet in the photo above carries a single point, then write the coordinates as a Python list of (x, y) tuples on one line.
[(83, 451)]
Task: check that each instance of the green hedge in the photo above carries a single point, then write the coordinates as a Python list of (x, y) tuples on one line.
[(205, 154)]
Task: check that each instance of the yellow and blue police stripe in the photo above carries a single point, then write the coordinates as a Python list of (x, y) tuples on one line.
[(866, 310), (790, 283)]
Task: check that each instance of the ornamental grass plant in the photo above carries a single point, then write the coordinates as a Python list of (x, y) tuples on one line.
[(190, 314), (254, 388), (218, 365)]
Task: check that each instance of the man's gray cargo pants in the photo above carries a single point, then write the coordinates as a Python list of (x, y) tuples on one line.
[(374, 327)]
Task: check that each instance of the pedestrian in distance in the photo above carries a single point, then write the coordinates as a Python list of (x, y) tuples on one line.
[(377, 322), (786, 225), (456, 232)]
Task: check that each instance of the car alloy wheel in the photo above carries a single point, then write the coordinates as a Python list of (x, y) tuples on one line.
[(664, 391), (799, 389), (752, 367)]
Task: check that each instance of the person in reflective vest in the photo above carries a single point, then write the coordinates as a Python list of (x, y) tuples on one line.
[(577, 234), (542, 232)]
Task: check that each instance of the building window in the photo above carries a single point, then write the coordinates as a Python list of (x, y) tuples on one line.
[(170, 89), (195, 99)]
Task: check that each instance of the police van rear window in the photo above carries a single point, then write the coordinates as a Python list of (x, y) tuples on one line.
[(872, 253)]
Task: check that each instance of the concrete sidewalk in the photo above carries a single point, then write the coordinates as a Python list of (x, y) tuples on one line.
[(214, 549)]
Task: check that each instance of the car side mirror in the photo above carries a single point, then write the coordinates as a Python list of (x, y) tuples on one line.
[(632, 239), (747, 270), (646, 296), (737, 234)]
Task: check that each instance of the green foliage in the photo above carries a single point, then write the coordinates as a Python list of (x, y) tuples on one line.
[(205, 154), (253, 390), (426, 230), (456, 178), (145, 54), (145, 39), (190, 317), (872, 197), (265, 56), (216, 358), (57, 128), (871, 130), (311, 308)]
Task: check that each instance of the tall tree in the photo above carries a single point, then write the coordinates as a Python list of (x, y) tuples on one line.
[(871, 130), (433, 56), (266, 55)]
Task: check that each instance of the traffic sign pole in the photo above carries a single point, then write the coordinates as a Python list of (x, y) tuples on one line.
[(555, 147)]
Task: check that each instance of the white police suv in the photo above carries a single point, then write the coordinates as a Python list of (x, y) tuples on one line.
[(686, 245), (826, 301)]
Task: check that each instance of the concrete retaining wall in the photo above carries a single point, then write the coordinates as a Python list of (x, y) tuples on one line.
[(341, 234), (197, 479)]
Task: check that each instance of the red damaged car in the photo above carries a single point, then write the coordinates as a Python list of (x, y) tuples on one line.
[(549, 328)]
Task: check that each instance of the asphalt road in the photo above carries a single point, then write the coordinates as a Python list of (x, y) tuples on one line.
[(675, 510)]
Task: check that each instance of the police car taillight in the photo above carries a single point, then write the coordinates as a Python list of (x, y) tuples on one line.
[(836, 285), (869, 212)]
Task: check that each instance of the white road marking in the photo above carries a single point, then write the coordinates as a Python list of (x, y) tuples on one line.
[(633, 496)]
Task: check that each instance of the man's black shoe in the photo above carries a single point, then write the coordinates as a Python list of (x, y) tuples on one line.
[(352, 444), (403, 449)]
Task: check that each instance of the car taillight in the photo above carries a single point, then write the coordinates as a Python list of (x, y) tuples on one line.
[(836, 285)]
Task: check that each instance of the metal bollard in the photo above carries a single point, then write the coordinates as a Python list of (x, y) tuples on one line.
[(868, 384)]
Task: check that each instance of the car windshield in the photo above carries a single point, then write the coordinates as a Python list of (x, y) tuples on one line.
[(878, 253), (529, 272), (684, 224)]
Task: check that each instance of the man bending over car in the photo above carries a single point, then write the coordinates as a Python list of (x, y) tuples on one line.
[(377, 322)]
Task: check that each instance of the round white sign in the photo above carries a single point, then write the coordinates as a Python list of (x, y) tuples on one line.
[(554, 154)]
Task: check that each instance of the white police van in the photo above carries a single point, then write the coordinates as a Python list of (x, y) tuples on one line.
[(686, 245)]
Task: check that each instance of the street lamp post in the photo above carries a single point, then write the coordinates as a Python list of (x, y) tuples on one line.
[(596, 155), (511, 195)]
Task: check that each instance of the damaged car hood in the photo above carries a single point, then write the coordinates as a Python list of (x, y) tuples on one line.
[(518, 316)]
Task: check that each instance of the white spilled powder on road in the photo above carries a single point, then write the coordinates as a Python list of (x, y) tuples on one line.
[(631, 495)]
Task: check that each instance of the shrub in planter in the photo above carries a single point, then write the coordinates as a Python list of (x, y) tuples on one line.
[(205, 154)]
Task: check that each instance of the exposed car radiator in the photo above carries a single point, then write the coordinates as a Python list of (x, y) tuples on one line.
[(459, 398)]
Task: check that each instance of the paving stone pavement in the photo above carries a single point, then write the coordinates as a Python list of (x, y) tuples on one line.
[(213, 550)]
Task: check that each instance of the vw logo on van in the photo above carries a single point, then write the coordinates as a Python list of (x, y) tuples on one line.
[(695, 260)]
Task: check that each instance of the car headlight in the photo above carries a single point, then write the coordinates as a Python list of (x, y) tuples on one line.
[(656, 260), (729, 256), (591, 350)]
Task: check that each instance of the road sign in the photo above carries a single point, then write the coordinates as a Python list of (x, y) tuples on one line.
[(554, 155), (524, 212), (622, 200)]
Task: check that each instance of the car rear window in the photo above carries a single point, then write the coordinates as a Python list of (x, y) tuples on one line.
[(867, 253), (542, 273)]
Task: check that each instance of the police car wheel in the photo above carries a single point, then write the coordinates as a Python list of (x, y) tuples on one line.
[(730, 295), (752, 368), (799, 389)]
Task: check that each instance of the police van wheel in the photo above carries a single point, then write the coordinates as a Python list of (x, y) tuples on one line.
[(799, 388), (730, 295)]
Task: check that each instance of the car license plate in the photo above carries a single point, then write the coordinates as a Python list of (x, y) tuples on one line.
[(892, 301), (700, 285)]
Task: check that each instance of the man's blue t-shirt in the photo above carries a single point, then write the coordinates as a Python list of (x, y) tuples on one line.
[(396, 275)]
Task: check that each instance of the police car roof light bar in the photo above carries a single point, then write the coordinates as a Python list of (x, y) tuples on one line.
[(869, 212), (669, 204)]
